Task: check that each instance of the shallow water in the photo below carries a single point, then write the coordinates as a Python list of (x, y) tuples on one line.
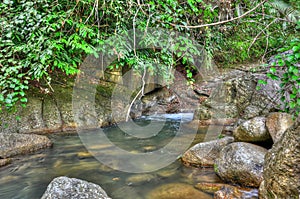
[(27, 177)]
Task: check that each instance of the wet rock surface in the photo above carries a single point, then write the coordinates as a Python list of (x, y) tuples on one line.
[(205, 153), (241, 163), (15, 143), (253, 130), (176, 191), (231, 192), (67, 188), (222, 191), (281, 167), (5, 161)]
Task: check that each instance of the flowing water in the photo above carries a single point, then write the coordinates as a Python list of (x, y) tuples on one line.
[(27, 177)]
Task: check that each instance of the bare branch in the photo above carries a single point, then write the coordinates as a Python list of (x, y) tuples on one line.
[(263, 30)]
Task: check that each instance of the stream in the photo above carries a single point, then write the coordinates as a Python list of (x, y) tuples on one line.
[(28, 176)]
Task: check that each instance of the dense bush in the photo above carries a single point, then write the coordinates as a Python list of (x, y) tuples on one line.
[(42, 36)]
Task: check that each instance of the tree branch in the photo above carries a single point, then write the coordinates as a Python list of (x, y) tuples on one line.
[(221, 22)]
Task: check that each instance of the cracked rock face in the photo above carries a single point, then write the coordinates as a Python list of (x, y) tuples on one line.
[(241, 163), (282, 167), (64, 188)]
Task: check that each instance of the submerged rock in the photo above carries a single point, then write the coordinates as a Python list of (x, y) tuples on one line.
[(205, 153), (231, 192), (222, 191), (139, 179), (241, 163), (5, 161), (126, 192), (12, 144), (281, 168), (176, 191), (277, 124), (253, 130), (67, 188)]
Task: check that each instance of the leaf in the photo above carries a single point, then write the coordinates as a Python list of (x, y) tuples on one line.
[(273, 70), (292, 104), (293, 96), (295, 71), (260, 81), (24, 100), (296, 48), (294, 77)]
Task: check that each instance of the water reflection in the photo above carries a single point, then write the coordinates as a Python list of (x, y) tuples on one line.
[(27, 177)]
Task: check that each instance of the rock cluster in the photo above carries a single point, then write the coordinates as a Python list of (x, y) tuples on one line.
[(245, 161)]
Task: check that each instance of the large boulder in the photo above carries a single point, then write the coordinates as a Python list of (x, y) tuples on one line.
[(241, 163), (72, 188), (16, 143), (205, 153), (277, 123), (253, 130), (282, 167), (261, 101)]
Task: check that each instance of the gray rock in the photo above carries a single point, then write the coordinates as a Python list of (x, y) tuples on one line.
[(205, 153), (72, 188), (241, 163), (251, 112), (277, 124), (253, 130), (16, 143), (260, 102), (281, 167)]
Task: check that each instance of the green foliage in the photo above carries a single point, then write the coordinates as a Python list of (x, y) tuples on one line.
[(286, 69), (40, 37)]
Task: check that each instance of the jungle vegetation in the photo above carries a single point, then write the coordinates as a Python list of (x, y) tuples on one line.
[(41, 37)]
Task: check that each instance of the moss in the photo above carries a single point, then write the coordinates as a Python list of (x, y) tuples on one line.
[(216, 168)]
